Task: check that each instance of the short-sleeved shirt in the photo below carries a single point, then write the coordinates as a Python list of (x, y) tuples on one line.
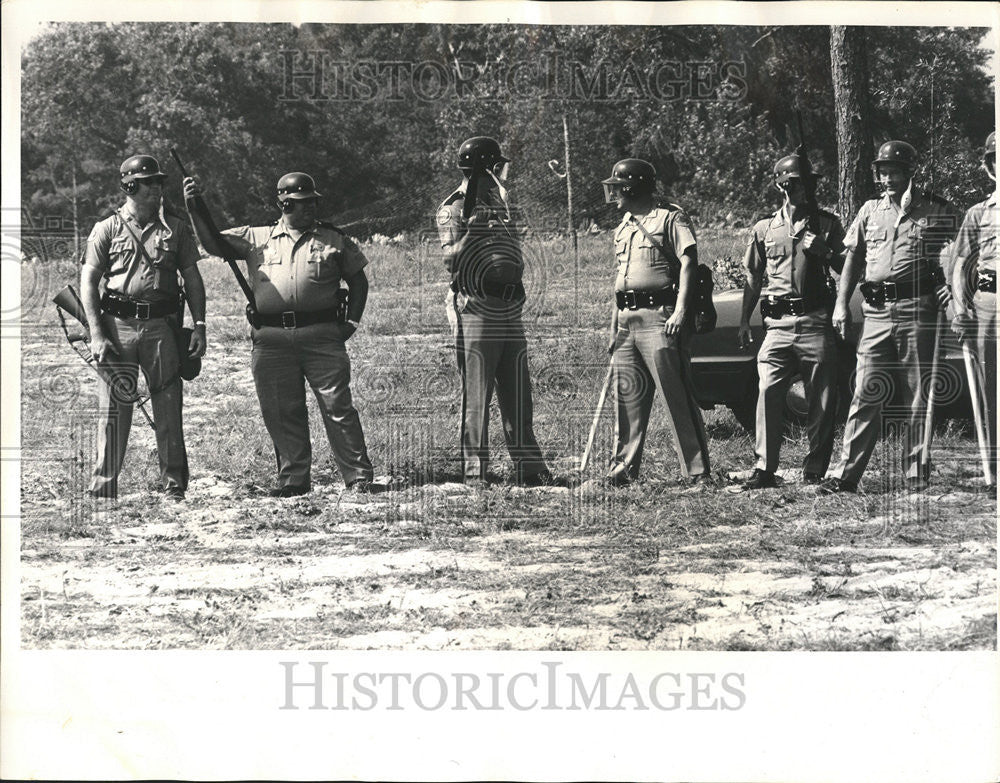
[(642, 266), (169, 244), (300, 273), (977, 238), (775, 253), (495, 257), (902, 246)]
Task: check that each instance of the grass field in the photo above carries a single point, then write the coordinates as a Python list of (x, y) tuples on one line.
[(431, 564)]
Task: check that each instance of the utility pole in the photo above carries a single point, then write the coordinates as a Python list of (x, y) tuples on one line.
[(572, 225)]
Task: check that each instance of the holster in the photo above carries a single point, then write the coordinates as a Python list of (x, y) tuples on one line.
[(873, 293)]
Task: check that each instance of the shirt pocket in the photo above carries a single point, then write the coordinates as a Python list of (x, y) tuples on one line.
[(165, 253), (270, 256), (121, 252), (621, 249), (774, 254), (649, 248), (875, 237), (324, 263)]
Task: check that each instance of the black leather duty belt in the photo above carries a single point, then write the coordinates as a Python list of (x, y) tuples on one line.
[(634, 300), (987, 282), (126, 307), (780, 306), (290, 319), (877, 294), (509, 292)]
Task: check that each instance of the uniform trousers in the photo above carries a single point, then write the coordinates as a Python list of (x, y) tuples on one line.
[(647, 361), (493, 356), (894, 354), (152, 346), (796, 345), (986, 348), (283, 361)]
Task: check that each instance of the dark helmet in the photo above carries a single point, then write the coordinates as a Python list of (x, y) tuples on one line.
[(480, 152), (140, 167), (634, 176), (897, 152), (792, 166), (298, 185)]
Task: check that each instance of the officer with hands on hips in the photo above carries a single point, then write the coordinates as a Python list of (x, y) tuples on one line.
[(295, 267), (787, 262)]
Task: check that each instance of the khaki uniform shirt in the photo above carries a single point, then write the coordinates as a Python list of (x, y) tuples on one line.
[(977, 239), (774, 253), (168, 242), (641, 265), (902, 244), (494, 259), (300, 272)]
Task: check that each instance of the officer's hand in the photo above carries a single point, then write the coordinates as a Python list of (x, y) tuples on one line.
[(674, 323), (103, 348), (841, 320), (744, 337), (198, 344), (943, 295), (816, 245), (192, 189), (964, 324), (612, 344)]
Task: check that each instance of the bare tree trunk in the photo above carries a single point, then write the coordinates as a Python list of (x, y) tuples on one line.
[(76, 219), (852, 101)]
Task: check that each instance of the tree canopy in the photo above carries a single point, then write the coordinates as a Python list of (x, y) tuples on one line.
[(376, 113)]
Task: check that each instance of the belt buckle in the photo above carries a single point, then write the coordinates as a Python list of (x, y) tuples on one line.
[(508, 292), (630, 301), (142, 311), (288, 319)]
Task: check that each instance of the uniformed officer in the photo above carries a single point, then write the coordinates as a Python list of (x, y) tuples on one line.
[(295, 267), (657, 256), (480, 235), (974, 281), (136, 253), (788, 262), (896, 242)]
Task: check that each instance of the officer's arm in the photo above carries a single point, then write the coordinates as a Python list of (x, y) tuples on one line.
[(194, 291), (204, 227), (357, 285), (95, 263), (854, 267), (90, 282), (752, 269), (965, 255), (836, 244), (854, 259)]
